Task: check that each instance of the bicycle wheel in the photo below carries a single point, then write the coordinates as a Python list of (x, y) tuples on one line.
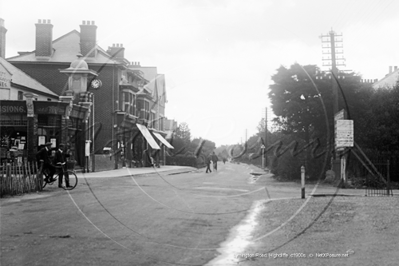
[(55, 178), (72, 178)]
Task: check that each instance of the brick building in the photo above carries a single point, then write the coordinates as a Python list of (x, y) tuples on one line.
[(129, 95)]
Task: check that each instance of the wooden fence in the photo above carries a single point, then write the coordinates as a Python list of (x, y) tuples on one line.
[(17, 178)]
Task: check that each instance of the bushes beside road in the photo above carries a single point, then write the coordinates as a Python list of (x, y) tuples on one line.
[(183, 160)]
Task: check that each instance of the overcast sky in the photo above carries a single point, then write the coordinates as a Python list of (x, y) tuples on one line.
[(218, 56)]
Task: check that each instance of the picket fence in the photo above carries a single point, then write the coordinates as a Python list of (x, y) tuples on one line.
[(20, 178)]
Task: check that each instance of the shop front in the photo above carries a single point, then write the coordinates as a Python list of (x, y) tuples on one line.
[(26, 127), (13, 133)]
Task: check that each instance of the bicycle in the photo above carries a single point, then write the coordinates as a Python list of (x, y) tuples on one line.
[(70, 174)]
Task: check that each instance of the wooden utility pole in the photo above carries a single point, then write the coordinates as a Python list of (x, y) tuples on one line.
[(330, 43)]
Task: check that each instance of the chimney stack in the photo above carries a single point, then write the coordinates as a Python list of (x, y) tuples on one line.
[(117, 51), (44, 38), (3, 31), (390, 69), (88, 38)]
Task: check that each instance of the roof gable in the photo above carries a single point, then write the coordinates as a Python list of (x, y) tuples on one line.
[(65, 49)]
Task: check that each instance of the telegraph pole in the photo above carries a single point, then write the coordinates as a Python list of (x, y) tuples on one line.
[(333, 44)]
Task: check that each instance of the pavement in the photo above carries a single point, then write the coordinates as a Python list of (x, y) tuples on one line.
[(125, 171)]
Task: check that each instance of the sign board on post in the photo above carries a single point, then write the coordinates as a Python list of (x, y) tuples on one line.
[(87, 148), (344, 134)]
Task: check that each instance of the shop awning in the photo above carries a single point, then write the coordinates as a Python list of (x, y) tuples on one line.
[(148, 137), (164, 141)]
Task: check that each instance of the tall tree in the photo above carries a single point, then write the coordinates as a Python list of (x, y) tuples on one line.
[(183, 132), (301, 102)]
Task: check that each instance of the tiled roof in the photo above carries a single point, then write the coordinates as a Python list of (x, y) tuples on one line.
[(21, 78), (65, 49)]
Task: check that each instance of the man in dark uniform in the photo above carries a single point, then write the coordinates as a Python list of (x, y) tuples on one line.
[(208, 164), (60, 160), (43, 156)]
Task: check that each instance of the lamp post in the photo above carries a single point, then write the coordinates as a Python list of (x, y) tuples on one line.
[(95, 84)]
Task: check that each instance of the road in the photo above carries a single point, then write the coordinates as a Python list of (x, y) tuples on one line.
[(153, 219)]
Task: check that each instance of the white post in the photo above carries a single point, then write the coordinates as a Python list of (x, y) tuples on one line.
[(263, 156), (263, 160), (303, 182), (343, 169)]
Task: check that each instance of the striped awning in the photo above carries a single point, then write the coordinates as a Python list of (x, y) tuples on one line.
[(148, 137), (164, 141)]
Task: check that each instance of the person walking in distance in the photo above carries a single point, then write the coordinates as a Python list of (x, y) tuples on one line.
[(208, 164), (60, 160), (43, 156), (214, 159)]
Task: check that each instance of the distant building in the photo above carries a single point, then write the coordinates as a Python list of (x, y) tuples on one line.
[(390, 80)]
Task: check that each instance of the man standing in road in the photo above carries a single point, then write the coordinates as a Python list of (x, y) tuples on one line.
[(214, 161), (43, 156), (60, 160), (208, 164)]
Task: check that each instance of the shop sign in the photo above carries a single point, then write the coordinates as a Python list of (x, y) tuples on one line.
[(13, 107), (53, 108), (5, 79)]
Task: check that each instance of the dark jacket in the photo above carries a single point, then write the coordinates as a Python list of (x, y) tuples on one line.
[(214, 158), (60, 157), (44, 155)]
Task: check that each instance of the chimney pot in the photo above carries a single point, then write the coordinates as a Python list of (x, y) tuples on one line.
[(84, 22), (396, 67), (92, 22), (390, 69), (39, 21)]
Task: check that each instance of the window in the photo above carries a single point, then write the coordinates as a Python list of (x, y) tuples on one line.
[(143, 107), (129, 102), (152, 123), (20, 95), (161, 123)]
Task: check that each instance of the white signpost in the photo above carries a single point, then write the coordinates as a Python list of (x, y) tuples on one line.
[(344, 138), (344, 134)]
